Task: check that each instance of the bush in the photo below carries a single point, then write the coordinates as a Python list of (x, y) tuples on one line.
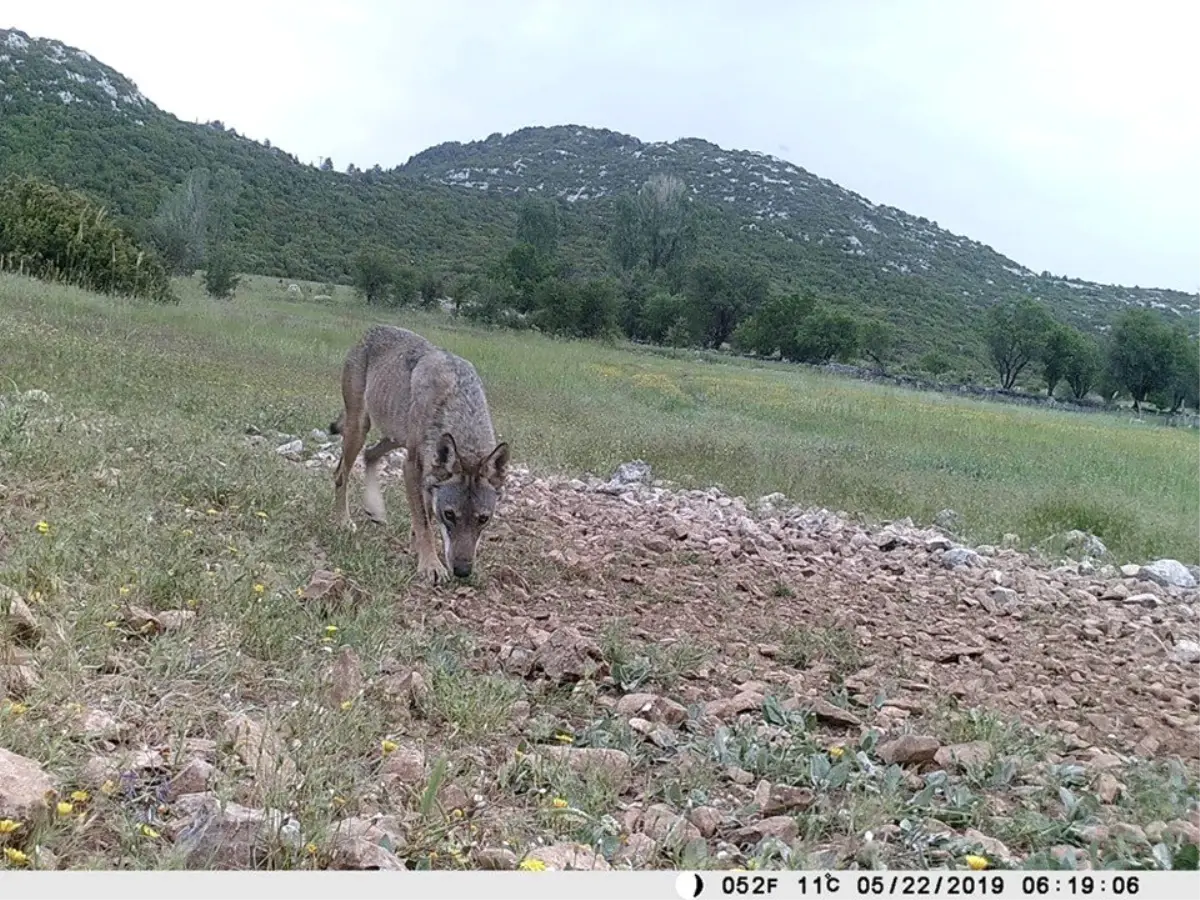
[(220, 277), (54, 234)]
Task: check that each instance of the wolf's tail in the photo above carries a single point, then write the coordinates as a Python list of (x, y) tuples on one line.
[(335, 427)]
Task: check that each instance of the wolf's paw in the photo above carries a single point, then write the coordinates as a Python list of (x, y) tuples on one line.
[(432, 570)]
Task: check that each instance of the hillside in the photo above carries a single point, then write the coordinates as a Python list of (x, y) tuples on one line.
[(788, 208), (65, 115)]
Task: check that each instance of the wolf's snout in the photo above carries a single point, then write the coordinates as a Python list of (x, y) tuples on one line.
[(462, 569)]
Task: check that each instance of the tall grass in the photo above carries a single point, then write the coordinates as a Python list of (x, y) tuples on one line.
[(270, 360)]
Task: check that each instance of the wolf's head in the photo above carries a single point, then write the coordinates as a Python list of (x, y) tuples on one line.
[(464, 493)]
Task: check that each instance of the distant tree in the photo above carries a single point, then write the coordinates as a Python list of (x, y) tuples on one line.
[(663, 212), (625, 238), (877, 340), (654, 225), (1056, 351), (179, 228), (430, 288), (1183, 382), (721, 296), (1140, 354), (1015, 333), (220, 274), (774, 326), (327, 165), (1084, 362), (406, 285), (826, 334), (538, 226), (662, 313), (373, 274), (935, 362)]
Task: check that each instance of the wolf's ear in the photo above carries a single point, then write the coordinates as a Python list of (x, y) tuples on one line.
[(445, 462), (495, 467)]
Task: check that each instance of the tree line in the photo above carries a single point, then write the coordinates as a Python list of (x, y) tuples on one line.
[(656, 288), (1141, 356)]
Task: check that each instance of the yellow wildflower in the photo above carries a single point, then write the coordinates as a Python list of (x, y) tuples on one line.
[(123, 589), (8, 826), (563, 738), (111, 623), (388, 746), (211, 511), (16, 708), (299, 592), (15, 856), (148, 831), (259, 588), (532, 865), (339, 801), (261, 514), (80, 796), (109, 787), (347, 705), (559, 803), (187, 532), (43, 527), (977, 862), (310, 848), (837, 751), (64, 808), (331, 630)]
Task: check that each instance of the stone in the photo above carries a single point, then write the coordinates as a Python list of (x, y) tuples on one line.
[(23, 786), (909, 749)]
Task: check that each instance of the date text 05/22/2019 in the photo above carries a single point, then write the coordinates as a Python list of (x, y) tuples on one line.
[(957, 884)]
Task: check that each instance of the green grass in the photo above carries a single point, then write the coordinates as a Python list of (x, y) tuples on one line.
[(873, 450), (153, 501)]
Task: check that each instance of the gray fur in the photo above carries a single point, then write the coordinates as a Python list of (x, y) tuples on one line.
[(431, 402)]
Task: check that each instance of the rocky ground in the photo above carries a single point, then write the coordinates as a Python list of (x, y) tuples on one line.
[(704, 681)]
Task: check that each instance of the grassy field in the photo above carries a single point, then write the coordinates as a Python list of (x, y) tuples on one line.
[(161, 555), (209, 369)]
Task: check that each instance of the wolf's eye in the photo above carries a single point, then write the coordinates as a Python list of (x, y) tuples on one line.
[(483, 520), (449, 516)]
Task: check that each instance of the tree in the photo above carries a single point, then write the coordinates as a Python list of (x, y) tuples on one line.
[(654, 225), (662, 205), (430, 288), (373, 274), (721, 296), (1183, 383), (660, 314), (1140, 354), (625, 239), (1015, 333), (524, 268), (406, 285), (538, 226), (1055, 354), (327, 165), (826, 334), (1084, 362), (179, 228), (877, 340), (773, 327), (220, 275)]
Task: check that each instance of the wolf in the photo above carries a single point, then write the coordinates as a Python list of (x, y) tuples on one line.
[(430, 402)]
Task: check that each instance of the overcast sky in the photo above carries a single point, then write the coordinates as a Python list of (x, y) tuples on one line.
[(1065, 134)]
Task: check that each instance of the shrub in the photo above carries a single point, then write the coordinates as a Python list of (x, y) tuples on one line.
[(55, 234)]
